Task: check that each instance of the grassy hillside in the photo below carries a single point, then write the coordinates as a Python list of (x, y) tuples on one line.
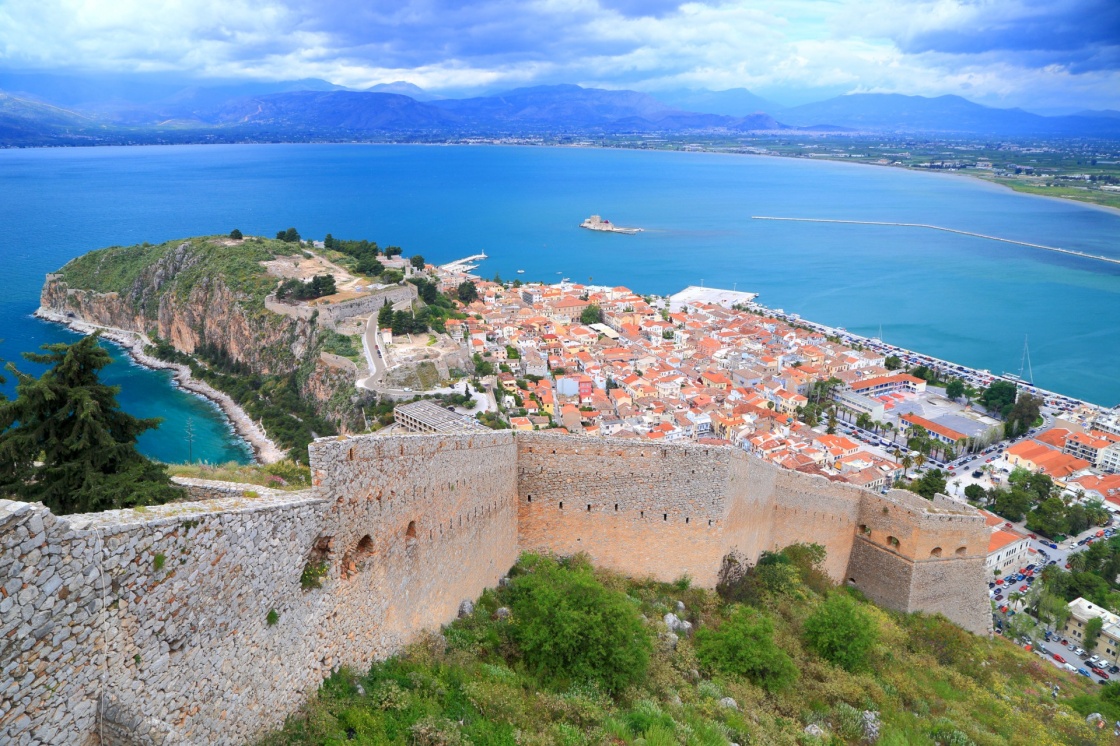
[(118, 269), (569, 654)]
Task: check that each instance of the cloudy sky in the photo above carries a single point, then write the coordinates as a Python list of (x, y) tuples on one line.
[(1039, 54)]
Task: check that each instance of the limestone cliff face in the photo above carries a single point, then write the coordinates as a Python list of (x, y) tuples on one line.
[(209, 313), (186, 296)]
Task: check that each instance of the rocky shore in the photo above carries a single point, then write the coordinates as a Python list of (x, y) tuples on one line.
[(134, 343)]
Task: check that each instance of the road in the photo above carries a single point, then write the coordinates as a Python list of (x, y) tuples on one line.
[(1070, 657)]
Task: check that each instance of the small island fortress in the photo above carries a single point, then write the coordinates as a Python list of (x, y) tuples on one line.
[(596, 223), (207, 622)]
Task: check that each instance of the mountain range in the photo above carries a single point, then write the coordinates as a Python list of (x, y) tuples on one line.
[(37, 109)]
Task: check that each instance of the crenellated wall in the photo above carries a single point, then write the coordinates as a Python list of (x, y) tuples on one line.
[(153, 625)]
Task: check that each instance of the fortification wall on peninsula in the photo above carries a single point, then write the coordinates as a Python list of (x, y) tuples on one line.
[(153, 626)]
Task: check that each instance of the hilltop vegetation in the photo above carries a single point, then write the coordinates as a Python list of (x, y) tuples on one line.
[(566, 653), (124, 269)]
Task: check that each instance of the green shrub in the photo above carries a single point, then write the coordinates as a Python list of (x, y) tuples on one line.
[(313, 574), (568, 627), (159, 561), (841, 632), (744, 646), (272, 618)]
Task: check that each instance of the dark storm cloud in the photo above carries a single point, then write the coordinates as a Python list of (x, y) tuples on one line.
[(1082, 35)]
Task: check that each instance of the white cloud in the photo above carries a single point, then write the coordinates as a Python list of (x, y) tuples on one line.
[(989, 50)]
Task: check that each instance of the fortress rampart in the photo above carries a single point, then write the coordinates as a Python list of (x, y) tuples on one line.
[(153, 626)]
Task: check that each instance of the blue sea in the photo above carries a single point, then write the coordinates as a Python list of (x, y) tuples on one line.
[(955, 297)]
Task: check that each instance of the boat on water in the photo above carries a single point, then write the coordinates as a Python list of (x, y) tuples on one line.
[(597, 223), (520, 271)]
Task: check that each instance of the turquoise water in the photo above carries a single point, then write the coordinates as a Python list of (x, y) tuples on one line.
[(955, 297)]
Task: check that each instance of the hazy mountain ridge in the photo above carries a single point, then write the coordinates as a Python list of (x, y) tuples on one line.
[(893, 112), (167, 110)]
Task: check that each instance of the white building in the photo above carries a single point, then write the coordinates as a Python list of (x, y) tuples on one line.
[(1007, 549), (1080, 612)]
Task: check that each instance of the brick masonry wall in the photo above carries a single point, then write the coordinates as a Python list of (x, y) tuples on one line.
[(158, 619)]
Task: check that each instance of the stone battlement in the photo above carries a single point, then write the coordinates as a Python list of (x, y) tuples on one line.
[(153, 625)]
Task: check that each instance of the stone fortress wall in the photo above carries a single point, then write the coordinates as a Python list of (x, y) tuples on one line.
[(153, 626)]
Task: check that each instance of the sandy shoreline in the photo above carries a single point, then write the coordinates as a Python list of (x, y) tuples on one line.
[(264, 449)]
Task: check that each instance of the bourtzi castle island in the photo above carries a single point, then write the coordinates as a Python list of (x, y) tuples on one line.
[(153, 626), (211, 619)]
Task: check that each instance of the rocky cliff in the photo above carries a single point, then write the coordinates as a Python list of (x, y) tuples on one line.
[(184, 297), (206, 298)]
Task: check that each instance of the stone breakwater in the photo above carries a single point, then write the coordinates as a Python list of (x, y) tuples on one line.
[(134, 343), (156, 625)]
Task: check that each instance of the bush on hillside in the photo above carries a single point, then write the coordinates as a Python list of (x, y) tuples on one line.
[(744, 646), (570, 628), (841, 632), (775, 574)]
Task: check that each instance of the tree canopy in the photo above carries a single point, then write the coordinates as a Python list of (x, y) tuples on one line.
[(289, 236), (317, 287), (591, 315), (467, 292), (999, 397), (930, 484), (65, 441)]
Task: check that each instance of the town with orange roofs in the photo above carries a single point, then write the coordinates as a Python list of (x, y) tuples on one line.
[(713, 366)]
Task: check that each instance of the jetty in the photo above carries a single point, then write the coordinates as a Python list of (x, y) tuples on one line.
[(1071, 252), (464, 265)]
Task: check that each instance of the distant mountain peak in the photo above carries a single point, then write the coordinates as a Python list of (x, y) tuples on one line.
[(404, 88)]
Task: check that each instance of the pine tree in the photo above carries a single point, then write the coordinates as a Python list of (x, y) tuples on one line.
[(65, 441), (385, 316)]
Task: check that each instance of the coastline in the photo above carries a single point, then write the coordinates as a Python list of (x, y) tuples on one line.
[(976, 177), (934, 362), (264, 449)]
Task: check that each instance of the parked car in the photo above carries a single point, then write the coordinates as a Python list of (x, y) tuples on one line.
[(1083, 672), (1058, 658)]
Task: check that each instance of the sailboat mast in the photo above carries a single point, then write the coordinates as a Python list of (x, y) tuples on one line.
[(1026, 361)]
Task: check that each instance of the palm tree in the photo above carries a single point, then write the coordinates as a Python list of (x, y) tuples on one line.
[(907, 462), (919, 459)]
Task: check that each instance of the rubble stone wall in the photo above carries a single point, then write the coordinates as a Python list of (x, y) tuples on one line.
[(192, 622)]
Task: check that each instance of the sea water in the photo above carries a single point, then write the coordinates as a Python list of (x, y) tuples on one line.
[(955, 297)]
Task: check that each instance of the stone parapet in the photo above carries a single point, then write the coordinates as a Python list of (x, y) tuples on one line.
[(153, 625)]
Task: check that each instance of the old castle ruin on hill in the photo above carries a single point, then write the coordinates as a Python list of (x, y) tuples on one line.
[(153, 626)]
